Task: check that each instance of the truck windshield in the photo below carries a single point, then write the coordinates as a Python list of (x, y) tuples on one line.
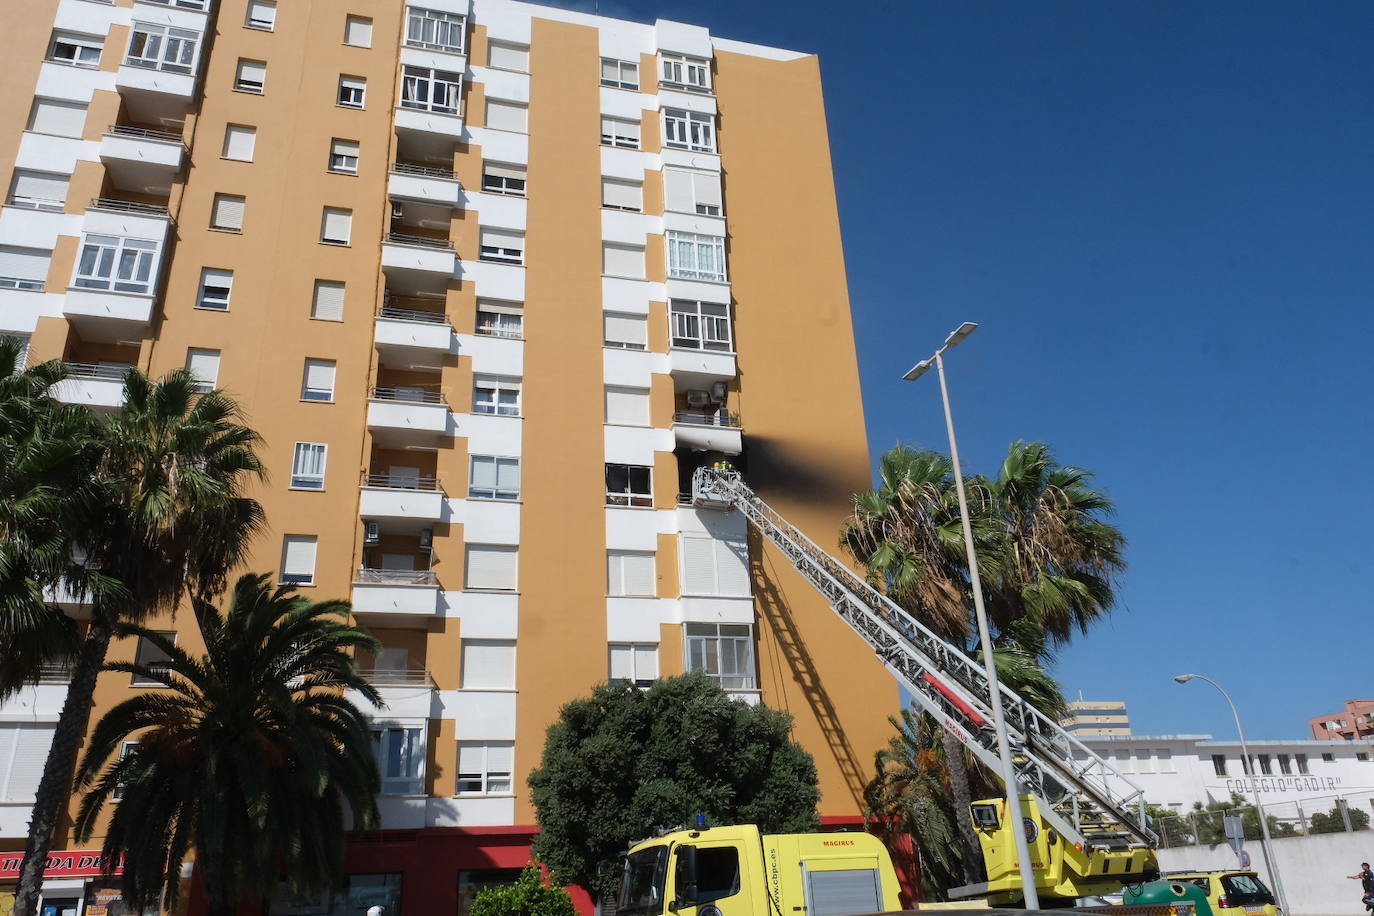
[(641, 887), (1245, 889)]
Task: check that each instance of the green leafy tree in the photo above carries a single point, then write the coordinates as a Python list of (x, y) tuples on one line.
[(623, 764), (1211, 826), (528, 896), (251, 753), (1332, 822), (165, 518), (1173, 827)]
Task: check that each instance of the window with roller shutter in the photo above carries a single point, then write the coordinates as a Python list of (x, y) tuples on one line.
[(57, 117), (630, 573), (505, 55), (318, 381), (627, 406), (226, 213), (634, 662), (505, 246), (24, 268), (686, 191), (715, 566), (328, 302), (625, 332), (250, 76), (262, 14), (298, 559), (239, 142), (485, 767), (488, 664), (724, 652), (358, 32), (343, 156), (24, 750), (503, 178), (491, 567), (39, 190), (622, 261), (336, 226), (619, 194), (619, 132), (503, 115), (491, 477), (204, 366)]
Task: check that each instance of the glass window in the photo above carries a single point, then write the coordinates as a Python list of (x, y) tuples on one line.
[(619, 74), (431, 90), (71, 48), (435, 30), (500, 178), (696, 257), (717, 873), (400, 756), (471, 883), (318, 381), (494, 478), (506, 55), (24, 268), (625, 332), (215, 289), (161, 47), (630, 573), (116, 263), (298, 559), (724, 651), (307, 466), (692, 130), (505, 246), (1301, 760), (250, 75), (352, 90), (634, 663), (618, 194), (701, 325), (696, 192), (683, 72), (39, 190), (343, 156), (485, 767), (629, 485), (1219, 764), (500, 319), (642, 885), (619, 132), (367, 891), (151, 656), (262, 14), (494, 395)]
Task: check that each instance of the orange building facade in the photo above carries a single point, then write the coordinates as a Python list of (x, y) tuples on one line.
[(491, 279)]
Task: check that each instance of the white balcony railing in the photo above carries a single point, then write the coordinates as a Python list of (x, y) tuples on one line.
[(394, 313), (719, 418), (397, 677), (408, 395), (368, 575)]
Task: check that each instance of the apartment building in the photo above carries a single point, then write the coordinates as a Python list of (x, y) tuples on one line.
[(491, 279), (1353, 723), (1096, 718)]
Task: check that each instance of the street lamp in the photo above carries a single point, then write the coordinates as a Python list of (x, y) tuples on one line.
[(1247, 767), (999, 725)]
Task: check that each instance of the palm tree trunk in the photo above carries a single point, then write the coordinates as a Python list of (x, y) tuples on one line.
[(56, 783), (970, 853)]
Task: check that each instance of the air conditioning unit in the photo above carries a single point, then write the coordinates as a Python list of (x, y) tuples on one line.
[(698, 399), (372, 532), (426, 538), (718, 392)]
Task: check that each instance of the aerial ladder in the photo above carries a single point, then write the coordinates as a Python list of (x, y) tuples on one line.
[(1091, 831)]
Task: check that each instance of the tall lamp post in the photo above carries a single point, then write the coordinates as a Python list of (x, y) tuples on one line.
[(999, 725), (1248, 767)]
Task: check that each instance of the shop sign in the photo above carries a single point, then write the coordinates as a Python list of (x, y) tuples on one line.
[(59, 865)]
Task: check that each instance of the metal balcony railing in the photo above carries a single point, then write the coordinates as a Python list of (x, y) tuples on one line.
[(491, 330), (94, 370), (408, 395), (419, 241), (397, 677), (368, 575), (402, 482), (423, 171), (400, 314), (143, 133), (723, 418), (127, 206), (183, 4), (55, 673)]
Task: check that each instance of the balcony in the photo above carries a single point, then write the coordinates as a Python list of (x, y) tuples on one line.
[(407, 692), (424, 184), (418, 263), (406, 596), (398, 417), (98, 386), (141, 160), (412, 338), (443, 126), (157, 78), (708, 431), (406, 499), (694, 367)]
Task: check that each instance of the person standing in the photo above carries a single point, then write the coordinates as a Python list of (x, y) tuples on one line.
[(1366, 879)]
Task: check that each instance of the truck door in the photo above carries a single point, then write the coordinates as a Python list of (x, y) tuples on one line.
[(707, 882)]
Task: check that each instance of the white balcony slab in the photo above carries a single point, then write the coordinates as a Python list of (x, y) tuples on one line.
[(131, 225), (144, 164), (429, 122), (724, 439), (468, 811), (501, 145), (630, 164), (14, 817), (503, 84), (694, 222), (74, 84), (129, 310), (702, 102), (49, 153), (180, 86), (404, 419), (97, 393), (34, 703), (619, 294), (437, 262), (495, 281), (629, 105), (414, 335), (752, 697), (485, 615), (493, 355), (701, 366), (628, 228), (631, 528), (415, 702), (36, 228), (403, 812), (636, 619), (700, 290), (398, 503), (505, 210), (89, 18), (692, 159), (488, 434), (487, 521), (633, 368), (712, 609), (452, 61), (636, 444), (175, 16), (20, 309), (481, 714), (445, 192), (710, 521), (419, 601)]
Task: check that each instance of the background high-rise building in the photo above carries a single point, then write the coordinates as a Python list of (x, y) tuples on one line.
[(1096, 718), (491, 279), (1354, 722)]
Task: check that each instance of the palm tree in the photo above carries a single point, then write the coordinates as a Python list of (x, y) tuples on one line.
[(250, 755), (165, 517)]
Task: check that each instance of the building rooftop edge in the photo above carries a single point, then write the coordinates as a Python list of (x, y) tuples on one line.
[(1211, 741)]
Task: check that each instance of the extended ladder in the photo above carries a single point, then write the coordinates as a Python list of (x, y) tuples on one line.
[(1082, 796)]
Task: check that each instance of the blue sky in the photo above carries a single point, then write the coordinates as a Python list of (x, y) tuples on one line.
[(1160, 213)]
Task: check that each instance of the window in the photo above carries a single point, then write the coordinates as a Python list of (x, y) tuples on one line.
[(262, 14), (1265, 766), (634, 662), (307, 466), (328, 301), (24, 750), (692, 130), (298, 559), (161, 47), (630, 573), (485, 767), (352, 90), (1285, 764), (318, 381), (71, 48), (39, 190), (488, 664), (250, 76), (500, 319), (686, 72), (116, 263), (691, 192), (1219, 764), (24, 268), (1166, 760), (696, 257), (622, 261), (618, 194), (494, 478), (491, 567), (625, 332), (215, 288), (435, 30), (1362, 755), (151, 656), (358, 31), (505, 55), (400, 754), (204, 366), (431, 90), (365, 891), (1328, 758), (627, 406), (56, 117), (714, 566), (1301, 760), (496, 395), (343, 156), (336, 226), (619, 74), (718, 877), (504, 245), (619, 132), (503, 115), (700, 325), (239, 142), (723, 651), (500, 178), (629, 485), (471, 883), (226, 212)]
